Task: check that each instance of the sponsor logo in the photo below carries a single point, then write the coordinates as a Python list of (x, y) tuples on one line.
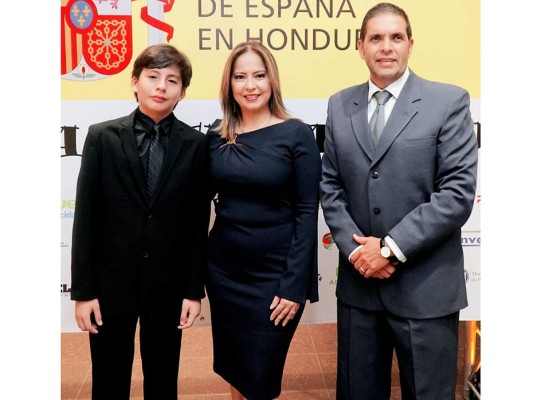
[(69, 141), (472, 276), (471, 238), (477, 129), (65, 290), (334, 281), (67, 208), (327, 241)]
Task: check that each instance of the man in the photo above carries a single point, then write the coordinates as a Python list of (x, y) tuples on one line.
[(140, 232), (395, 204)]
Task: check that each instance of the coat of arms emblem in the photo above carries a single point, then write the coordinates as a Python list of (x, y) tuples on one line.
[(96, 38)]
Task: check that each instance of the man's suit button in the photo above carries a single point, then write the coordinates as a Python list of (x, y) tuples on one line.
[(145, 254), (375, 175), (377, 210)]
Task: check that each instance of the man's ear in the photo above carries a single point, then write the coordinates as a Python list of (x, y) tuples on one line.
[(361, 49)]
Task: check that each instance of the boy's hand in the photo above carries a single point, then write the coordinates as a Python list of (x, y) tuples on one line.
[(83, 311)]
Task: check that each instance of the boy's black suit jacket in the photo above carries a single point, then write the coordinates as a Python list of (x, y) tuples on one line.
[(135, 255)]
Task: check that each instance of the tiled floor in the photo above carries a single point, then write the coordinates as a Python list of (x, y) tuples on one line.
[(309, 372)]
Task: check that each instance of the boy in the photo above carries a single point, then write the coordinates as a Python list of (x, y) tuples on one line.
[(140, 229)]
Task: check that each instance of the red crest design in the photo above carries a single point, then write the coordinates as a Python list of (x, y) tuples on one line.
[(96, 38), (107, 47)]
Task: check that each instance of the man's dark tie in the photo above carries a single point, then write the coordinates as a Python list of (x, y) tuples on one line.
[(377, 121), (155, 160)]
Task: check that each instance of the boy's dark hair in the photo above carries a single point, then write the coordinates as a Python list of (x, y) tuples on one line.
[(162, 56)]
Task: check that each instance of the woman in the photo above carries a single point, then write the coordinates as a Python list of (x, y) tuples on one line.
[(265, 169)]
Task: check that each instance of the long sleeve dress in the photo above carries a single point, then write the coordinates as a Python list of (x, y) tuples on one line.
[(263, 243)]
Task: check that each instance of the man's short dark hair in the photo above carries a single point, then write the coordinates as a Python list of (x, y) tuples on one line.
[(385, 8)]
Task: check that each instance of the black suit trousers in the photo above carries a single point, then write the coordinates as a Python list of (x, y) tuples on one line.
[(112, 353), (426, 350)]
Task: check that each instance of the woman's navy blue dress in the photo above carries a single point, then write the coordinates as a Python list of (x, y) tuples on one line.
[(263, 243)]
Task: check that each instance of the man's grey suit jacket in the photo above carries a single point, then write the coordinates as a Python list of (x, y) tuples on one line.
[(418, 186)]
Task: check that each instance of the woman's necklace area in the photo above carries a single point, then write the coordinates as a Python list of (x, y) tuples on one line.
[(242, 130)]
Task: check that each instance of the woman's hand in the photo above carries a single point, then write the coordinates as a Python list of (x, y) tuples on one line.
[(284, 310)]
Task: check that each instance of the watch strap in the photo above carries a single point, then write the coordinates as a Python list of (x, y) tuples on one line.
[(392, 258)]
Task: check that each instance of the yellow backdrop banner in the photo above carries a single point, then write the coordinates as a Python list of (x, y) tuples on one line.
[(314, 42)]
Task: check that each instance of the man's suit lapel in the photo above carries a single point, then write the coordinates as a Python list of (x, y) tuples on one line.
[(127, 137), (359, 120), (175, 143), (402, 113)]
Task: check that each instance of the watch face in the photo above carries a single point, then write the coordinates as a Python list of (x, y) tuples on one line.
[(385, 252)]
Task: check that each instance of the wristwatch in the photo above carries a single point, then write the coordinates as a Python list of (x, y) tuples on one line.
[(386, 252)]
